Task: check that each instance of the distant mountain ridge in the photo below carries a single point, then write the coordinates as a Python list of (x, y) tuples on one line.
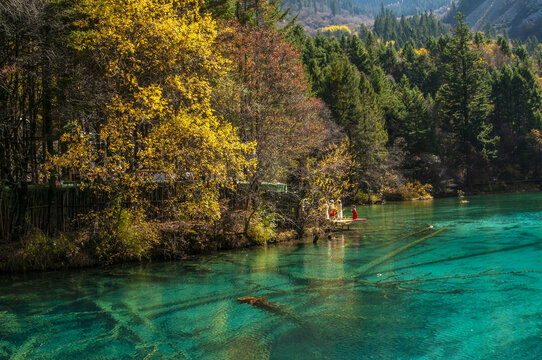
[(520, 18)]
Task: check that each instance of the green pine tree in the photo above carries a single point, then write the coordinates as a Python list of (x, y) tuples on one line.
[(340, 91), (464, 102), (358, 55), (353, 104), (415, 122)]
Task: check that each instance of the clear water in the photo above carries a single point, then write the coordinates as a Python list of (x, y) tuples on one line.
[(328, 306)]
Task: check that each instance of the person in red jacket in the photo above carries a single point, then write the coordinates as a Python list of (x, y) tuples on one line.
[(354, 212), (332, 210)]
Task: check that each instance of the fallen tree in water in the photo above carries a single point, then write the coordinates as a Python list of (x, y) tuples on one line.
[(260, 302)]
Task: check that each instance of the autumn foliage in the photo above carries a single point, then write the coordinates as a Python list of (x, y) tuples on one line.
[(272, 106), (159, 69)]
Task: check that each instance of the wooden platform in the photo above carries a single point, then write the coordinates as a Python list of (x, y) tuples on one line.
[(345, 223)]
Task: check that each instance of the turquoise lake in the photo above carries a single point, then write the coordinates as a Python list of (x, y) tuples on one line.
[(472, 291)]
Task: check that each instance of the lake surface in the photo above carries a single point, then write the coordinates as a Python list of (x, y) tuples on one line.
[(473, 291)]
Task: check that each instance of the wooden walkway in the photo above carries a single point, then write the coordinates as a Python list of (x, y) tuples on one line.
[(345, 223)]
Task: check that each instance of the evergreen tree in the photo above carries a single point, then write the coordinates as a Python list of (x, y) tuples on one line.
[(521, 53), (358, 55), (369, 138), (420, 68), (371, 46), (464, 101), (432, 46), (480, 38), (504, 45), (416, 124), (296, 35), (363, 32), (387, 98), (531, 44), (353, 105), (221, 9), (340, 91), (387, 58), (259, 13), (518, 99)]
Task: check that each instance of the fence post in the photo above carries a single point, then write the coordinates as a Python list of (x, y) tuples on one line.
[(51, 206)]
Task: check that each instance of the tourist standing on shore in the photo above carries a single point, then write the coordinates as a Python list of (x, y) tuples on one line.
[(354, 212)]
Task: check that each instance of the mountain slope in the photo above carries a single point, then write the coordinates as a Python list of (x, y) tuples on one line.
[(401, 7), (520, 18)]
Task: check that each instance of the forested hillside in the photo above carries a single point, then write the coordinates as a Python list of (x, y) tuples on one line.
[(520, 19), (316, 14), (418, 28), (442, 107)]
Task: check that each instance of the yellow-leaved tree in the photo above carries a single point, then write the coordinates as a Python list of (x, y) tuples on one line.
[(157, 64), (329, 177)]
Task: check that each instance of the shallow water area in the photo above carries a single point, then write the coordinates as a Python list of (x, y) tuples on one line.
[(472, 291)]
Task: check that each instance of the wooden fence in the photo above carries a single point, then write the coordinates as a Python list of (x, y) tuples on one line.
[(36, 207), (60, 210)]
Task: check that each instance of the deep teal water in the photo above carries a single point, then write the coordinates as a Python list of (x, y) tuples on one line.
[(327, 308)]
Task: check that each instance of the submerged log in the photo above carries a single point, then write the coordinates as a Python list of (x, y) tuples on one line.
[(259, 302)]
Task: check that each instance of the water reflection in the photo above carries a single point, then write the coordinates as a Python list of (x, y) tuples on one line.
[(319, 305)]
